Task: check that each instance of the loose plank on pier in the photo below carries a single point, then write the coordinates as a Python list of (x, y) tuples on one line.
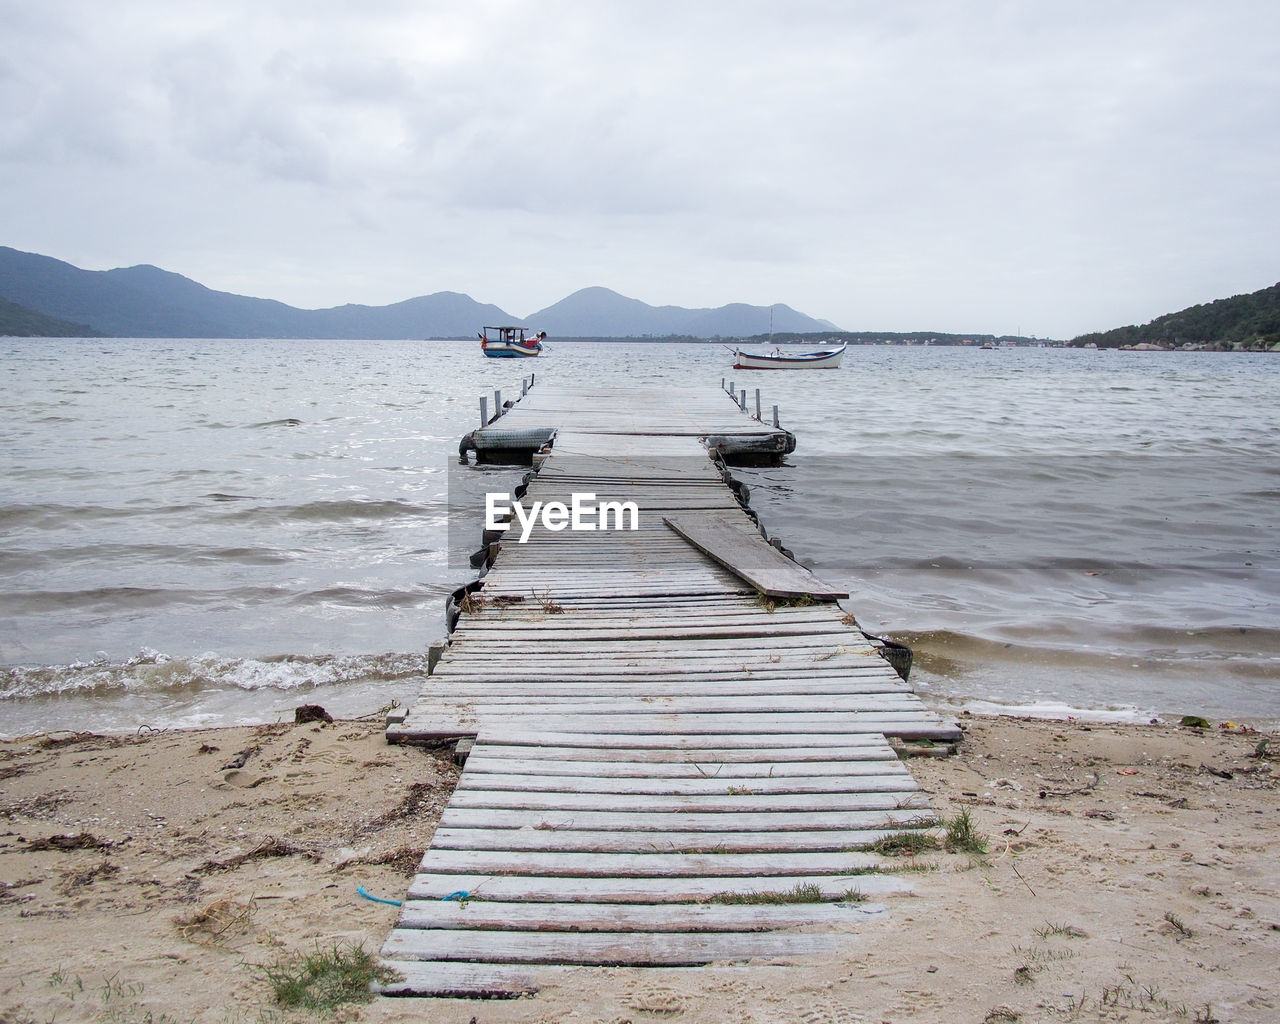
[(745, 553)]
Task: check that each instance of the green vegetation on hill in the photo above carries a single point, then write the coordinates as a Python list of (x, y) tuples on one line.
[(19, 322), (1241, 323)]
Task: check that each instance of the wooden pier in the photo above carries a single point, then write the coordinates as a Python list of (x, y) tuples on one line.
[(671, 724)]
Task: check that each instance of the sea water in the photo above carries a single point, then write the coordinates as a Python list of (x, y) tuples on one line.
[(206, 532)]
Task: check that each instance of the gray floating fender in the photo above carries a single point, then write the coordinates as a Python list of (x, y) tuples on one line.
[(528, 438), (897, 655), (454, 602)]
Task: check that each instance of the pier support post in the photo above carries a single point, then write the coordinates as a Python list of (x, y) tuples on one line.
[(775, 416), (497, 403), (742, 400), (757, 403), (484, 411)]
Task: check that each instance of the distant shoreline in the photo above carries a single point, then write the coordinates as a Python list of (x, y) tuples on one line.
[(974, 342)]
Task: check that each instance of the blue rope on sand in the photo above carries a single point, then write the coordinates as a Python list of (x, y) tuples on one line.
[(460, 895), (378, 899)]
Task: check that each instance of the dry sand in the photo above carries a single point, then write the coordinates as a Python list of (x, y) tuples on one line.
[(1132, 875)]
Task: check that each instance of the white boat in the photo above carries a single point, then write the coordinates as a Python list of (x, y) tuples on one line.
[(510, 342), (822, 359)]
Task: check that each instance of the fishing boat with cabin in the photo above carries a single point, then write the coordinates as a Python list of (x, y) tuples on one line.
[(510, 342)]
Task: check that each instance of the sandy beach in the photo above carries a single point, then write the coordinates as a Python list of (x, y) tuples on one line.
[(1131, 874)]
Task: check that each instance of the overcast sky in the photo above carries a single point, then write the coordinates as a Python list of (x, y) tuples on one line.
[(1042, 166)]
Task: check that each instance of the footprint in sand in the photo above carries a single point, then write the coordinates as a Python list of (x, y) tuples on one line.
[(656, 999), (824, 1010)]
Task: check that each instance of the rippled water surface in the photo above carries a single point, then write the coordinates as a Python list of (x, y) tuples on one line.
[(211, 531)]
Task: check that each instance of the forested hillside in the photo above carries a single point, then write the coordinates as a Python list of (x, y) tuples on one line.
[(1242, 322), (19, 322)]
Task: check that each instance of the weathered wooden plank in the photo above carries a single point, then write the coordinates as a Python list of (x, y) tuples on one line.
[(802, 649), (421, 726), (655, 822), (601, 841), (492, 980), (854, 675), (553, 627), (610, 662), (709, 704), (747, 554), (601, 949), (535, 626), (726, 600), (477, 645), (737, 761), (759, 628), (534, 619), (559, 864), (661, 688), (889, 778), (624, 667), (613, 659), (487, 763), (627, 917), (809, 651), (743, 803), (464, 980), (537, 579), (722, 743), (472, 684), (629, 580), (532, 610), (904, 723), (536, 889), (657, 587)]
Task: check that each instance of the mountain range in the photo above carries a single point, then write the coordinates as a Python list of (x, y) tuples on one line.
[(40, 295)]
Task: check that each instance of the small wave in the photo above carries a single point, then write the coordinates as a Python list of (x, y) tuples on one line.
[(120, 600), (1091, 646), (340, 511), (47, 515), (358, 597), (1055, 711), (288, 421), (154, 672), (373, 509), (221, 496)]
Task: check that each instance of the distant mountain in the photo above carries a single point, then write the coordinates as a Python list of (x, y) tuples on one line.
[(19, 322), (147, 302), (599, 312), (1241, 322)]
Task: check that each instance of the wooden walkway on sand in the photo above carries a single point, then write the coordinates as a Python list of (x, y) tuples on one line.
[(656, 737)]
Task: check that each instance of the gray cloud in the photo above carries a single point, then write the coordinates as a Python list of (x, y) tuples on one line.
[(1057, 167)]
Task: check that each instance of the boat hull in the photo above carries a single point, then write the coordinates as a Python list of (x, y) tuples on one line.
[(500, 351), (828, 359)]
